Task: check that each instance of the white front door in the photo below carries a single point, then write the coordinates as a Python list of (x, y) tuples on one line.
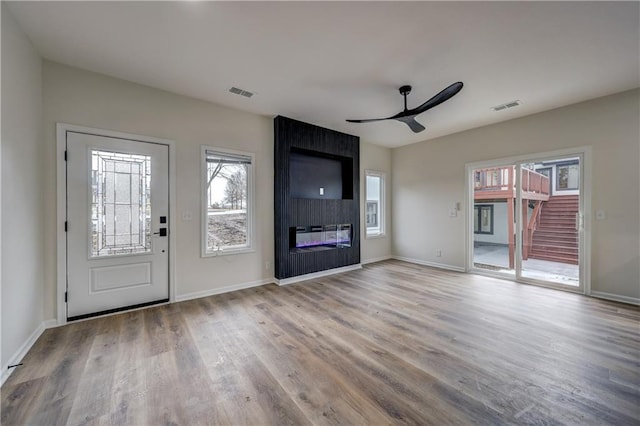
[(117, 224)]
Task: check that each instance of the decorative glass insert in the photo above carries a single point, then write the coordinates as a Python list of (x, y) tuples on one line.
[(120, 204)]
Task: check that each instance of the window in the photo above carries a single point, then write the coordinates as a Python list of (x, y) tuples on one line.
[(227, 201), (483, 219), (568, 176), (372, 214), (374, 203)]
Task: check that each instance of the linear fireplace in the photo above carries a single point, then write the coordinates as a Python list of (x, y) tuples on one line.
[(320, 237), (316, 199)]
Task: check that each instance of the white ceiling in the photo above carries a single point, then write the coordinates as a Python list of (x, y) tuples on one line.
[(324, 62)]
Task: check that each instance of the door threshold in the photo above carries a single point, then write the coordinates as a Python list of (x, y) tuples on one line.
[(528, 281), (117, 310)]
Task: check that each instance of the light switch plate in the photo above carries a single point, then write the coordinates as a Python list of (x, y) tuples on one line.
[(601, 215), (187, 216), (321, 191)]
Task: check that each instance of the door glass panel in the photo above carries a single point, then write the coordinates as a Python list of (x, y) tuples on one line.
[(120, 204), (550, 206), (493, 220)]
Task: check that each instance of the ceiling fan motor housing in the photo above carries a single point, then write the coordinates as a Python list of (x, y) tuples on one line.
[(405, 90)]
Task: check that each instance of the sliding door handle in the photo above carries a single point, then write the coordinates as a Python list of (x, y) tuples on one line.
[(579, 221)]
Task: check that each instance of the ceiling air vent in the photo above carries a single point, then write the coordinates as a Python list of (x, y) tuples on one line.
[(241, 92), (506, 106)]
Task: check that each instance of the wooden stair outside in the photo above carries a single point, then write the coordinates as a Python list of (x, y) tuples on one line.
[(555, 238)]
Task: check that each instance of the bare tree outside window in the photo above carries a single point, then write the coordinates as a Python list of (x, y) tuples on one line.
[(235, 192), (227, 201)]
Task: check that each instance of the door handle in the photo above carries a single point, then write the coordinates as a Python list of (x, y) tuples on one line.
[(161, 232), (579, 223)]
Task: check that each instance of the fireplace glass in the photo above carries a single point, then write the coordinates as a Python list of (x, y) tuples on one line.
[(319, 237)]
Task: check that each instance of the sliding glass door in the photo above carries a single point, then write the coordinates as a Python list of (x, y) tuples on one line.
[(492, 215), (551, 223), (526, 222)]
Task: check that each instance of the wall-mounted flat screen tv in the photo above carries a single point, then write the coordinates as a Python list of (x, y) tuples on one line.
[(320, 176)]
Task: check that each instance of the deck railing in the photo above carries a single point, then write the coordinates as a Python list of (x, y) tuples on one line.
[(535, 182), (501, 181), (494, 179), (531, 226)]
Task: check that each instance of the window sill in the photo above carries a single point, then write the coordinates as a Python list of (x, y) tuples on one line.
[(374, 236), (229, 252)]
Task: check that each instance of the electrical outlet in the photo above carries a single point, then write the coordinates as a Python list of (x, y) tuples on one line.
[(438, 253), (321, 191), (601, 215)]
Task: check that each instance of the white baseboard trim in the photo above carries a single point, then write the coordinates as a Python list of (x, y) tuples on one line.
[(22, 350), (376, 259), (50, 323), (616, 297), (220, 290), (305, 277), (432, 264)]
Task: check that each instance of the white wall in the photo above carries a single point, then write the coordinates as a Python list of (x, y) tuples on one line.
[(22, 193), (428, 177), (377, 158), (84, 98)]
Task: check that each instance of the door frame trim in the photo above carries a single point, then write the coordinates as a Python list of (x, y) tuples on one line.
[(61, 206), (585, 208)]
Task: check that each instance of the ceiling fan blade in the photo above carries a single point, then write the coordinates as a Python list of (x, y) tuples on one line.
[(412, 123), (444, 95), (368, 120), (408, 115)]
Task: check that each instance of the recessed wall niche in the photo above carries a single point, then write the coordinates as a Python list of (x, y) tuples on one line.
[(321, 176), (317, 217)]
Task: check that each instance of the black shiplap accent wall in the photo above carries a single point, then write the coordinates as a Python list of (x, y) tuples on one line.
[(290, 211)]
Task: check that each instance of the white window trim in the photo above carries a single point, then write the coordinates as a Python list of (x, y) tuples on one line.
[(379, 232), (250, 247)]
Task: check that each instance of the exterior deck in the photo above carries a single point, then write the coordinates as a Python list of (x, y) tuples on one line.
[(499, 183)]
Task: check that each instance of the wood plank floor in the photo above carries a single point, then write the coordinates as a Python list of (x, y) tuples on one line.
[(393, 343)]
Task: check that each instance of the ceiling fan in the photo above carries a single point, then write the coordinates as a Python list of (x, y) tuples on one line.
[(408, 116)]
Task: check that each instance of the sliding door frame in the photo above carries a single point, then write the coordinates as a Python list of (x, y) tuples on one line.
[(584, 260)]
